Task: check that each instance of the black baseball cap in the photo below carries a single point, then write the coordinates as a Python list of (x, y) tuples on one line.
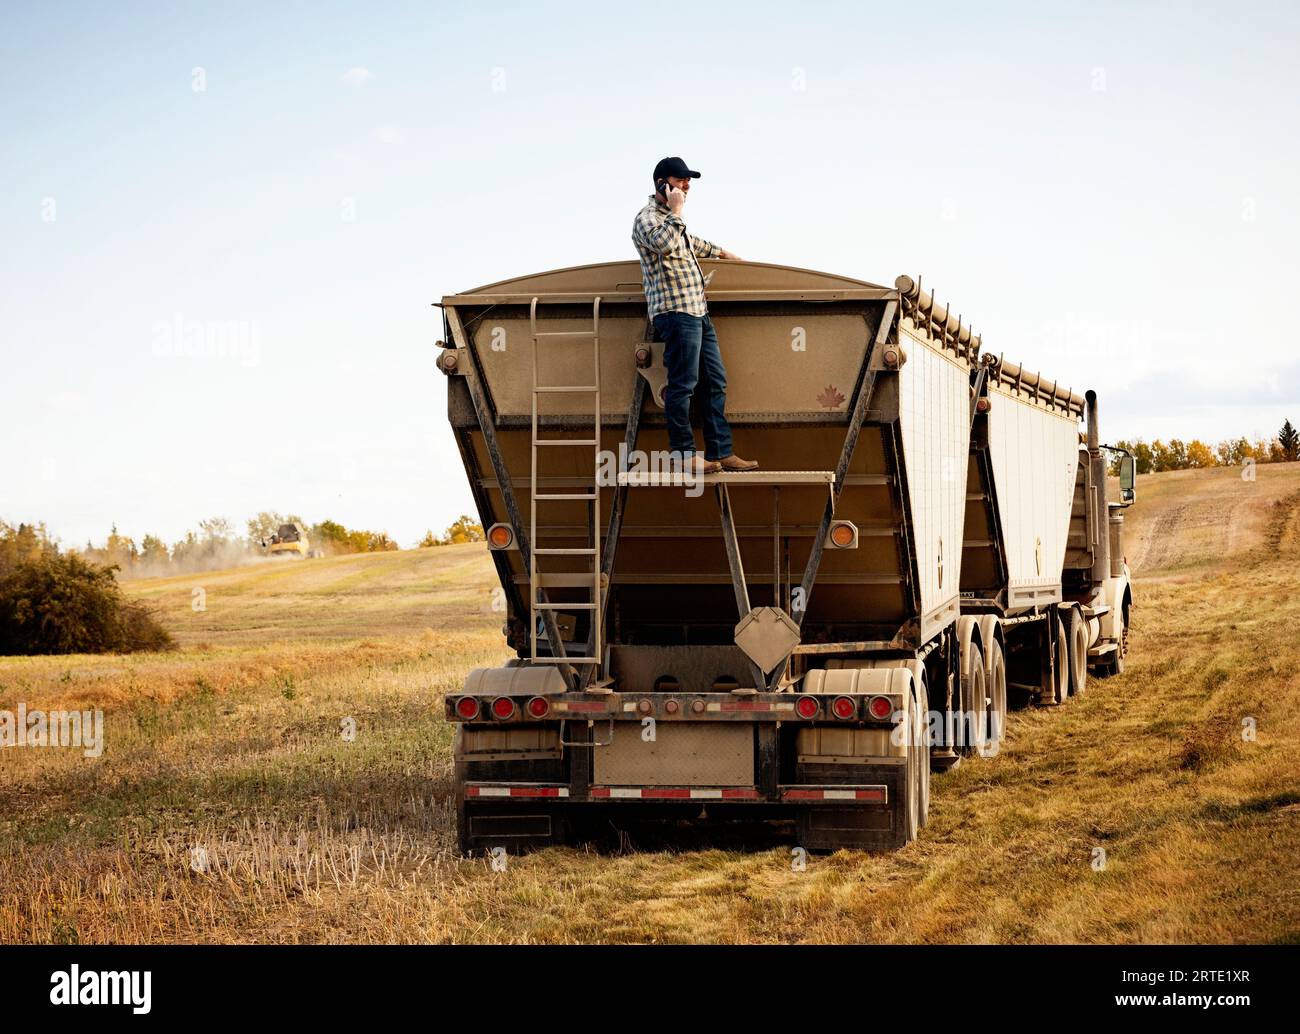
[(674, 167)]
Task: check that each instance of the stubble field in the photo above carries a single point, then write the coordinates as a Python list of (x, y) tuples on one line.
[(231, 804)]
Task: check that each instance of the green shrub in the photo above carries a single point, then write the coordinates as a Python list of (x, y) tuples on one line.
[(58, 603)]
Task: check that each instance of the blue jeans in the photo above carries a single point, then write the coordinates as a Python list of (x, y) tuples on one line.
[(692, 359)]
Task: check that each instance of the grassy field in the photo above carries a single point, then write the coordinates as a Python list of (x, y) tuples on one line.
[(229, 806)]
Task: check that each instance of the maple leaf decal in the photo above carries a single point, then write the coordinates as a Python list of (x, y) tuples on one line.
[(831, 398)]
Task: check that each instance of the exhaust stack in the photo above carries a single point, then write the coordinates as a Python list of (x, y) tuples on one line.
[(1101, 536)]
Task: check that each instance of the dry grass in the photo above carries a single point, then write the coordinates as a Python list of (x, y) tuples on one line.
[(233, 746)]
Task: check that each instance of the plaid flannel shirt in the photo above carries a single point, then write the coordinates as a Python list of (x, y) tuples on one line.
[(670, 268)]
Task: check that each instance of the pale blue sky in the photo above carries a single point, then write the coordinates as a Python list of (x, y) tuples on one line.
[(1107, 192)]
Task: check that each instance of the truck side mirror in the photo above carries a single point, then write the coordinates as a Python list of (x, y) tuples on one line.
[(1127, 479)]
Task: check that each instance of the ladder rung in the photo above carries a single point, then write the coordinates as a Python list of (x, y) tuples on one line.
[(565, 660), (567, 441), (563, 606), (574, 388), (562, 551), (565, 333), (567, 580), (567, 495)]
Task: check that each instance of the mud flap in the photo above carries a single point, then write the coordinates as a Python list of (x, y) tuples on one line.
[(514, 828), (829, 827)]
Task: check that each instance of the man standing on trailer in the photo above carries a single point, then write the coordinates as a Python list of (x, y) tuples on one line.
[(674, 292)]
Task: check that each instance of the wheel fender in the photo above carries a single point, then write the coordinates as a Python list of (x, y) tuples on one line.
[(969, 634), (1112, 621), (893, 676), (867, 680), (517, 680)]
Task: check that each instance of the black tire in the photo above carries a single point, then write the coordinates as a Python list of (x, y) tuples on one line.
[(1077, 633), (1114, 664), (995, 675)]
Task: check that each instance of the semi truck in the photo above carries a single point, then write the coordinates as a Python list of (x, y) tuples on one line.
[(928, 543)]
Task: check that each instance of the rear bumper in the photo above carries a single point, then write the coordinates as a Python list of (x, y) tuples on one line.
[(520, 817), (802, 794), (525, 781)]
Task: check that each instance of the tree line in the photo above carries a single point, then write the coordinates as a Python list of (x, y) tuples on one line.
[(1176, 454), (463, 529)]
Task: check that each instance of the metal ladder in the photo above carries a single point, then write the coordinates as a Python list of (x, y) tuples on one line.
[(538, 581)]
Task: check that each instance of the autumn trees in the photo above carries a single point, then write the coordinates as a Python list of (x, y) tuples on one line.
[(1175, 454)]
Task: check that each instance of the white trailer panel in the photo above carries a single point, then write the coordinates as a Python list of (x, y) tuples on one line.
[(1035, 456), (934, 412)]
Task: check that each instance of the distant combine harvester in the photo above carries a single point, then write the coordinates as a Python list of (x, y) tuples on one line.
[(290, 540)]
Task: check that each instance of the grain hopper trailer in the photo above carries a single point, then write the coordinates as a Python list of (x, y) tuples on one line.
[(928, 539)]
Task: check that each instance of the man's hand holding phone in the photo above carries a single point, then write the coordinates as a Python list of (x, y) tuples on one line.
[(675, 199)]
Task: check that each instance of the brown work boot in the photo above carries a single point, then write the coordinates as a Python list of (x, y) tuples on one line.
[(734, 462), (696, 464)]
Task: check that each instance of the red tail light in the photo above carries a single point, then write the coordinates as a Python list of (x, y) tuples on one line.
[(880, 707), (538, 707), (503, 708), (467, 708), (806, 706), (844, 707)]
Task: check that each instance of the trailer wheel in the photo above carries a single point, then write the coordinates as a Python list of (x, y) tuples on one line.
[(912, 813), (916, 811), (995, 674), (1056, 665), (922, 699), (1078, 634), (973, 722)]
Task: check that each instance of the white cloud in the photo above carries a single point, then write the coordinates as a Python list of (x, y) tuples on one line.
[(390, 134), (356, 77)]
